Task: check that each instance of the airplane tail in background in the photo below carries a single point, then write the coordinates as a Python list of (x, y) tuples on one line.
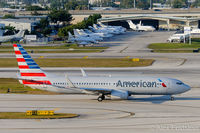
[(101, 24), (140, 23), (30, 72), (131, 24), (76, 33), (80, 32), (70, 37), (95, 27), (91, 28), (20, 33)]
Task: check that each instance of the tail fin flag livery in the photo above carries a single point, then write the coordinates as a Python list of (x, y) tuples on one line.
[(30, 72), (123, 87)]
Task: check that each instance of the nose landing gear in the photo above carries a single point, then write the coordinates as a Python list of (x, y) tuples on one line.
[(101, 98)]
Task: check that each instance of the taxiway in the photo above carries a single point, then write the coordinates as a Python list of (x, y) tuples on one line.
[(138, 114)]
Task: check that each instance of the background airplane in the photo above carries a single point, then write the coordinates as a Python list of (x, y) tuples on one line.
[(104, 35), (140, 27), (16, 37), (123, 87), (81, 33), (80, 40)]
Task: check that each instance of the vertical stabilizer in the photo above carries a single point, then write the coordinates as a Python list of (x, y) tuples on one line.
[(30, 72), (76, 33), (70, 37), (132, 25), (140, 23), (20, 34)]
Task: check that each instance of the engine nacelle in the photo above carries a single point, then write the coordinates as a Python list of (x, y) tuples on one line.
[(120, 93)]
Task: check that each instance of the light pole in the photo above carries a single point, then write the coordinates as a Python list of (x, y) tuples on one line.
[(151, 2)]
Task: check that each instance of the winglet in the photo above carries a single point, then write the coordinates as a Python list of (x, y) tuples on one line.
[(83, 73), (69, 82)]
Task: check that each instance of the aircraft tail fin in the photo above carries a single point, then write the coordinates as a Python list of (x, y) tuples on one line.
[(91, 28), (101, 24), (95, 26), (20, 33), (30, 72), (131, 24), (80, 32), (140, 23), (76, 32), (70, 37)]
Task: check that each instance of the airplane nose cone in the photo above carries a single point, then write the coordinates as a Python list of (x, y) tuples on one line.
[(186, 88)]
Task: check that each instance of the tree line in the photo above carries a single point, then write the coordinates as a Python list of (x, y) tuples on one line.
[(84, 5), (61, 21)]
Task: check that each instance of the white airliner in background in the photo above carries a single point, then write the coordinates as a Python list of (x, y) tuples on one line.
[(101, 31), (140, 27), (81, 33), (104, 35), (16, 37), (80, 40), (118, 28), (123, 87)]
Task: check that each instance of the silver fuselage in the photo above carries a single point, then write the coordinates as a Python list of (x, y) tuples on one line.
[(134, 85)]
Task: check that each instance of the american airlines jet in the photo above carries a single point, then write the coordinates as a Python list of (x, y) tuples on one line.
[(123, 87)]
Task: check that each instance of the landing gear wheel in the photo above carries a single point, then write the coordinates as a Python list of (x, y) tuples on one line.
[(100, 99), (172, 98)]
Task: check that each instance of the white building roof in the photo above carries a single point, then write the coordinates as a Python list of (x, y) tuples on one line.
[(19, 20)]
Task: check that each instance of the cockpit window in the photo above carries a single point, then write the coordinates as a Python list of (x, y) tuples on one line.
[(179, 83)]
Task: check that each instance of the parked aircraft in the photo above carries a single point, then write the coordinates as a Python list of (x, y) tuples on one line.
[(81, 33), (140, 27), (16, 37), (119, 28), (195, 31), (98, 34), (80, 40), (107, 30), (32, 75), (96, 30)]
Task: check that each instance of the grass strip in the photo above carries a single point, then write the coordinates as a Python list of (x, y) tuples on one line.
[(22, 115), (74, 46), (171, 51), (159, 46), (81, 62), (61, 51)]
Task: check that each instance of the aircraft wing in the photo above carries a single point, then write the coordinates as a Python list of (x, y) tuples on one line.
[(118, 93), (97, 90)]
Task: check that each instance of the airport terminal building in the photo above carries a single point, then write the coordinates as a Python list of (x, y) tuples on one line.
[(20, 23)]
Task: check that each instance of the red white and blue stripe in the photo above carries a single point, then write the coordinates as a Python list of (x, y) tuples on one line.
[(29, 69)]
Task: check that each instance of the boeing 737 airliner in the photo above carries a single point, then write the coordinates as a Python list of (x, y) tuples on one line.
[(32, 75)]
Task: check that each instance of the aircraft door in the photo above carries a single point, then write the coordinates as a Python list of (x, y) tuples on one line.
[(169, 87)]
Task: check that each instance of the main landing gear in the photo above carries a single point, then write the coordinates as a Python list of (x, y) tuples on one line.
[(172, 98), (101, 98)]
